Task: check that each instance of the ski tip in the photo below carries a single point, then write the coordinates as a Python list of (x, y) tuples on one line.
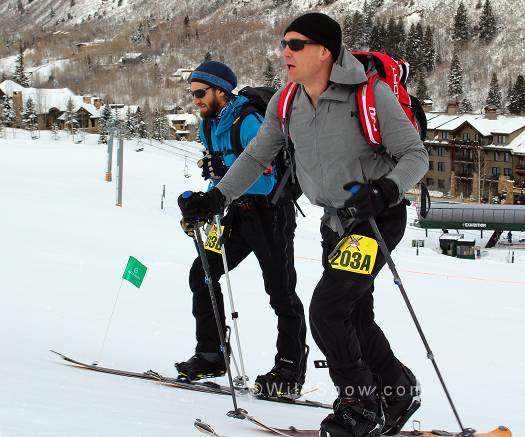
[(203, 427)]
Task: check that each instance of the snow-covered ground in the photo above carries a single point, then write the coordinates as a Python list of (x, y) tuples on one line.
[(63, 248)]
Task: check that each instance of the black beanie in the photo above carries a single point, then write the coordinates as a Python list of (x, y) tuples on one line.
[(320, 28)]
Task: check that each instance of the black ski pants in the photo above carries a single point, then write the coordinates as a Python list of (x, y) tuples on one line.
[(267, 231), (342, 314)]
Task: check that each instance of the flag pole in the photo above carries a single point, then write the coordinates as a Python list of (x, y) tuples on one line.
[(95, 363)]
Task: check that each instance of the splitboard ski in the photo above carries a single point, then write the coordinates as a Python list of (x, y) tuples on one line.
[(200, 386), (292, 431)]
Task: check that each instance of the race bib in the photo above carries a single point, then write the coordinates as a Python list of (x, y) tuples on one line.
[(355, 253), (213, 242)]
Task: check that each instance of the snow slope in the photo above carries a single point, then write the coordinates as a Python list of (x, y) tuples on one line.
[(64, 246)]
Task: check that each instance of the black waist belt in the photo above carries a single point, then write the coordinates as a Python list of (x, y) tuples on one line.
[(249, 202)]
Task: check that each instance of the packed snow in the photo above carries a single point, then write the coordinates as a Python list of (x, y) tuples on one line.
[(64, 246)]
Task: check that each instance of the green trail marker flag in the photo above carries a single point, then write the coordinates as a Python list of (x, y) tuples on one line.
[(135, 272)]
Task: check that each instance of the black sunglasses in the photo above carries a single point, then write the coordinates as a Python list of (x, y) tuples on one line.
[(200, 93), (296, 45)]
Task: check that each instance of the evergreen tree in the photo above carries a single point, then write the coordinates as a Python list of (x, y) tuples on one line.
[(461, 24), (138, 37), (268, 74), (368, 24), (160, 128), (103, 123), (2, 120), (494, 95), (207, 57), (487, 24), (130, 125), (455, 78), (414, 49), (378, 37), (399, 38), (356, 38), (422, 90), (71, 121), (517, 97), (465, 107), (140, 123), (9, 110), (19, 75), (277, 83), (28, 115), (429, 51), (347, 30)]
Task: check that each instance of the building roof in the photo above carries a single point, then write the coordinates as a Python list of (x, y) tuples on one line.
[(504, 124), (518, 144)]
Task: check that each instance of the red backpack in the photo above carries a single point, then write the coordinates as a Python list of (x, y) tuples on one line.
[(378, 66)]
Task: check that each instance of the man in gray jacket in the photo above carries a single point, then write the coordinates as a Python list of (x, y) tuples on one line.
[(377, 393)]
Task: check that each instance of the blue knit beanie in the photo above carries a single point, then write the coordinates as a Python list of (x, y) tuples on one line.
[(215, 74)]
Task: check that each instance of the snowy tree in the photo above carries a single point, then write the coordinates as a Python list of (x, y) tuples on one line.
[(494, 95), (414, 48), (138, 37), (347, 30), (103, 123), (130, 125), (487, 24), (378, 37), (20, 76), (277, 83), (422, 90), (207, 57), (2, 120), (160, 128), (465, 107), (429, 51), (71, 121), (9, 110), (140, 123), (455, 78), (461, 24), (368, 24), (354, 36), (268, 74), (517, 97), (28, 115), (54, 131)]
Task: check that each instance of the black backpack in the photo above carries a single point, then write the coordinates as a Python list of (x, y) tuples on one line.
[(258, 99)]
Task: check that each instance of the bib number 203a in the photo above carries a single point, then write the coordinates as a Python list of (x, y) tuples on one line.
[(213, 242), (355, 253)]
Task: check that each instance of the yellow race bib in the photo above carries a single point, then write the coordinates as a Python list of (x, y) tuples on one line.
[(355, 253), (213, 242)]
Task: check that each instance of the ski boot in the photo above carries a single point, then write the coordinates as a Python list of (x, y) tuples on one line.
[(400, 402), (354, 417), (205, 364), (281, 381), (202, 365)]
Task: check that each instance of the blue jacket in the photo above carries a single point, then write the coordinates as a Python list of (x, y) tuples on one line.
[(220, 138)]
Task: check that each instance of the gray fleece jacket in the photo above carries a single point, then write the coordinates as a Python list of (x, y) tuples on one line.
[(330, 149)]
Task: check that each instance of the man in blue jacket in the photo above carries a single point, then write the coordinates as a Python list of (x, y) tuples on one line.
[(252, 224)]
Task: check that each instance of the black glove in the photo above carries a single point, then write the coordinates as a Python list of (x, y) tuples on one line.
[(369, 200), (197, 206), (189, 227), (212, 165)]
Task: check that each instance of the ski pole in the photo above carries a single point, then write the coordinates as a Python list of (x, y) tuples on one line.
[(234, 313), (206, 266), (397, 280)]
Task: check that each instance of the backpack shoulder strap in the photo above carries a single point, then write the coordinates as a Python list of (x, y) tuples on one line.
[(235, 131), (367, 112), (285, 103)]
